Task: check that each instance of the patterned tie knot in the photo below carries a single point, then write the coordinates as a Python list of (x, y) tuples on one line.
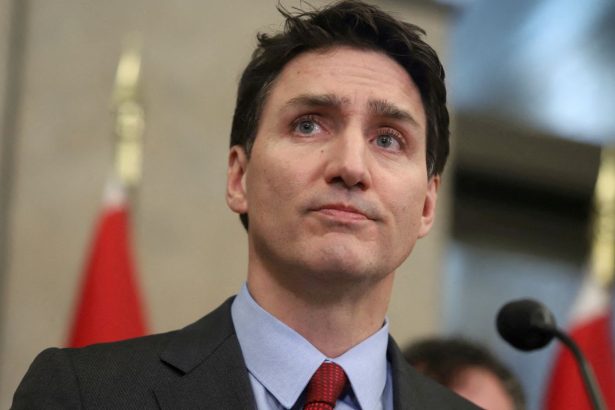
[(325, 387)]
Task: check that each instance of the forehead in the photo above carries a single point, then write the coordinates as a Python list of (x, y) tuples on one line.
[(355, 77)]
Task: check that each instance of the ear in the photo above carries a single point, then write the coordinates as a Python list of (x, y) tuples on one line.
[(429, 207), (236, 180)]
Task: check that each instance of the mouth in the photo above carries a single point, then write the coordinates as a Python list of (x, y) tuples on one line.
[(342, 213)]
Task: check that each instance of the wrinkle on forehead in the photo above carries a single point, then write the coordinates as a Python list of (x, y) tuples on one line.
[(348, 78)]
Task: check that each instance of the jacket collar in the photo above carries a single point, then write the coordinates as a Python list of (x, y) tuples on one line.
[(207, 371), (402, 378), (207, 358)]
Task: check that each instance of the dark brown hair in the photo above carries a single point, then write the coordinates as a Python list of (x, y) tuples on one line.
[(444, 361), (344, 23)]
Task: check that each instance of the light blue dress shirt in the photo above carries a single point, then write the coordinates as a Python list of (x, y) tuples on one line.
[(281, 362)]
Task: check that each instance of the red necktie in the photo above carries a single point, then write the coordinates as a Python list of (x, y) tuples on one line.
[(325, 386)]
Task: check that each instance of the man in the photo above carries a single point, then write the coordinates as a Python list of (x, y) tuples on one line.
[(338, 140), (470, 370)]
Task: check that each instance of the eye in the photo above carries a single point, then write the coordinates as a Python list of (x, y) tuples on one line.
[(389, 139), (384, 141), (306, 125)]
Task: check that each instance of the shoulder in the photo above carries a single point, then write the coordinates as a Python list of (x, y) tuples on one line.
[(124, 371), (68, 378), (125, 359), (48, 378)]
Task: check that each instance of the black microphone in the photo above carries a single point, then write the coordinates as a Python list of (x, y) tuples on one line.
[(529, 325), (526, 324)]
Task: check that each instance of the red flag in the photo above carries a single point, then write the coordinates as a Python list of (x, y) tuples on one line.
[(109, 306), (591, 331)]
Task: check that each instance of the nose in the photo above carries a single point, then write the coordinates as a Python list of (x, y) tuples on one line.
[(348, 162)]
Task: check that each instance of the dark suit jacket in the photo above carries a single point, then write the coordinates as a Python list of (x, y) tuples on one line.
[(198, 367)]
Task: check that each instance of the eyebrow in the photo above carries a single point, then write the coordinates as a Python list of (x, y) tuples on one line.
[(317, 100), (384, 108)]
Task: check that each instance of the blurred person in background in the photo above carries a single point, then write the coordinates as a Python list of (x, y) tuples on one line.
[(470, 370)]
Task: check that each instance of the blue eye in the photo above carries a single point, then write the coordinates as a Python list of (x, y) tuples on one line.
[(384, 141), (306, 126), (388, 141)]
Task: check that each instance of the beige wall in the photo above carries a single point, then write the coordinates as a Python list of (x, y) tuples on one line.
[(191, 248)]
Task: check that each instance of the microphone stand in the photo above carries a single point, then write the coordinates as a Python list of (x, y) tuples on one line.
[(589, 380)]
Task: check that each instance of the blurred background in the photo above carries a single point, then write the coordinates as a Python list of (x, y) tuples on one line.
[(532, 97)]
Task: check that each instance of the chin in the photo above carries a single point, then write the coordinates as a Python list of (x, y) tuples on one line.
[(339, 263)]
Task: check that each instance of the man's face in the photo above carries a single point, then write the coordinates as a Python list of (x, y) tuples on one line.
[(336, 186)]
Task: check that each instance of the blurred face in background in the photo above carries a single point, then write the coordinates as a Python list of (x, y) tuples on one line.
[(483, 388)]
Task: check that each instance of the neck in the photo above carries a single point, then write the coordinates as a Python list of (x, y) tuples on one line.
[(333, 317)]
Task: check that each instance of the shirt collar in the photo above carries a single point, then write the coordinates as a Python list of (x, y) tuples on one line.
[(283, 361)]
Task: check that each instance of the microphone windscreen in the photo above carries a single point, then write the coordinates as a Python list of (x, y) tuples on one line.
[(526, 324)]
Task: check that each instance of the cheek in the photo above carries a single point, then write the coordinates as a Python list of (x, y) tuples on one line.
[(273, 185), (407, 205)]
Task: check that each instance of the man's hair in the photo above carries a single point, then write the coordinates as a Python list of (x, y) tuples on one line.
[(345, 23), (444, 361)]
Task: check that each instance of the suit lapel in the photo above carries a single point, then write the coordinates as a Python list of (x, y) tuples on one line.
[(207, 359), (403, 397)]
